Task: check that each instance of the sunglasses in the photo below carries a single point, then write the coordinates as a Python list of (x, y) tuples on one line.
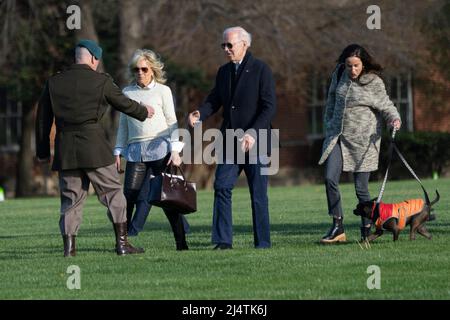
[(144, 69), (228, 45)]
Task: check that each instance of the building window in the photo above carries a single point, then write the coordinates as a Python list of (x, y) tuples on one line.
[(400, 92), (317, 101), (398, 88), (10, 123)]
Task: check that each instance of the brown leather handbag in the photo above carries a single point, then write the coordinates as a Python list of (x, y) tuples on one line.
[(171, 191)]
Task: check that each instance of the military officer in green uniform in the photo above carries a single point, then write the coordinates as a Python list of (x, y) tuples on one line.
[(76, 100)]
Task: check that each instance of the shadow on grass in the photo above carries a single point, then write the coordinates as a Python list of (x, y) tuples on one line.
[(283, 228), (314, 229), (50, 250), (105, 233)]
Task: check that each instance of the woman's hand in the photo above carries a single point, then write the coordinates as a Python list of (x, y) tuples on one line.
[(175, 159), (396, 124), (119, 170)]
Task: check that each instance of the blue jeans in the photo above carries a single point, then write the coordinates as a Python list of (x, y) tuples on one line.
[(225, 179)]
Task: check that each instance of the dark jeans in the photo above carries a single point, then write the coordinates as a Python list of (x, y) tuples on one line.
[(226, 176), (136, 190), (333, 170)]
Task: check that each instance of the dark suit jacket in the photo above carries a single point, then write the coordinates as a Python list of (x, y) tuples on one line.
[(250, 103), (77, 99)]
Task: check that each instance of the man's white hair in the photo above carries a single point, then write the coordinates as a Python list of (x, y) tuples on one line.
[(243, 34), (82, 55)]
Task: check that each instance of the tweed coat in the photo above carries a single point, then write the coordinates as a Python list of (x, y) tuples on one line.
[(353, 116)]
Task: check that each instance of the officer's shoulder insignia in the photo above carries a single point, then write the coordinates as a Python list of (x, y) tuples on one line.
[(57, 73), (106, 74)]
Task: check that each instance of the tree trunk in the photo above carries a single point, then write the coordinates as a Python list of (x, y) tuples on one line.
[(88, 30), (131, 35), (24, 175)]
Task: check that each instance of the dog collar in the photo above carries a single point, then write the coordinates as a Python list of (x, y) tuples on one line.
[(373, 210)]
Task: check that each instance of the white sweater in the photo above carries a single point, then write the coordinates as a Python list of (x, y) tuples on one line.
[(162, 124)]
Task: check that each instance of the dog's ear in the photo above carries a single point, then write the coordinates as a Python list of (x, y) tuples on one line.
[(357, 210), (368, 208)]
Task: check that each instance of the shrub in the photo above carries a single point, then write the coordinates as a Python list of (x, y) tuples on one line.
[(428, 153)]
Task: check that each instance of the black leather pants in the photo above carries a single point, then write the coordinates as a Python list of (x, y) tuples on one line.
[(136, 190)]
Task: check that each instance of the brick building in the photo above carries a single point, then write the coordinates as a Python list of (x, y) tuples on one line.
[(299, 119)]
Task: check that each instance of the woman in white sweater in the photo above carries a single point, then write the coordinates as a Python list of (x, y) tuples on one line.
[(148, 146)]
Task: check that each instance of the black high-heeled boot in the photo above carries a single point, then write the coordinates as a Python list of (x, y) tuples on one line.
[(131, 197), (176, 222), (336, 232)]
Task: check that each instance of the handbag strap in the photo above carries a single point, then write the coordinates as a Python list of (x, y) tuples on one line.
[(172, 170)]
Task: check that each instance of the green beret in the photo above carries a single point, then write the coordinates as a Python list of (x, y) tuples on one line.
[(93, 47)]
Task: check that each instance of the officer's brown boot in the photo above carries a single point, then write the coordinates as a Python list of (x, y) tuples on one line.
[(69, 245), (123, 247)]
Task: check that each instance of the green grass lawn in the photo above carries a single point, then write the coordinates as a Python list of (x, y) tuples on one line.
[(296, 267)]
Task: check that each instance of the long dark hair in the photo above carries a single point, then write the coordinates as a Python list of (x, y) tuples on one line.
[(355, 50)]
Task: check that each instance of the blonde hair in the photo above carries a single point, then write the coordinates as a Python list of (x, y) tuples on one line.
[(153, 61)]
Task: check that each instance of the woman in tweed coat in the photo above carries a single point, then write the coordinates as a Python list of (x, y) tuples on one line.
[(356, 102)]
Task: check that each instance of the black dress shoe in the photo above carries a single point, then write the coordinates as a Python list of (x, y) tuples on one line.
[(223, 246), (182, 246)]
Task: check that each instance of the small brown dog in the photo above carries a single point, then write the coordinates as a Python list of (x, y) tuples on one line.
[(395, 216)]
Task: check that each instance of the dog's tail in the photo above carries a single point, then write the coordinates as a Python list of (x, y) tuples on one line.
[(435, 200), (427, 198), (431, 216)]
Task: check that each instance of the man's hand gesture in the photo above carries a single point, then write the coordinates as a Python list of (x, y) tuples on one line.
[(193, 118)]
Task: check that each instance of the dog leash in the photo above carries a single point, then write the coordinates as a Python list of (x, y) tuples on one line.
[(390, 152), (393, 147), (411, 171)]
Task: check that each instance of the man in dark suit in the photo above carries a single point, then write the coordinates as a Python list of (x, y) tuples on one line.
[(245, 89), (77, 99)]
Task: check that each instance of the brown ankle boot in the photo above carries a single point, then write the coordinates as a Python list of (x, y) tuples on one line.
[(69, 245), (123, 247)]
